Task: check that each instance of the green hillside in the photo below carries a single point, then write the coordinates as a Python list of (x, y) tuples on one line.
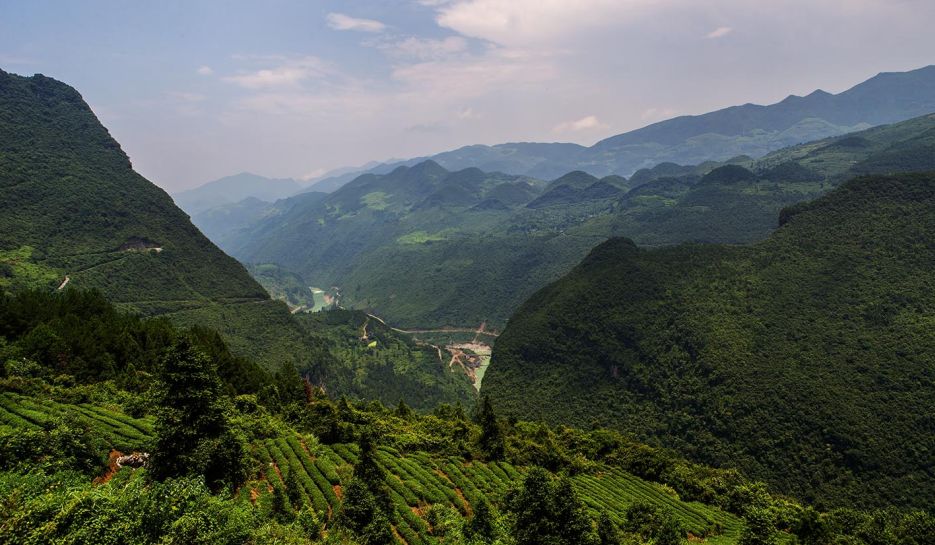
[(233, 454), (305, 466), (71, 195), (806, 360), (74, 214), (425, 247)]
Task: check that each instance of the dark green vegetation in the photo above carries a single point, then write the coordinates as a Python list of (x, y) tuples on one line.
[(320, 471), (286, 286), (749, 129), (425, 247), (75, 214), (74, 208), (374, 362), (805, 360)]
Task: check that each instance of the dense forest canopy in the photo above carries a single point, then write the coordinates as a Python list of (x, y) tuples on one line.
[(806, 359)]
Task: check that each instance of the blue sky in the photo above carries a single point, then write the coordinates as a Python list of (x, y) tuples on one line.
[(196, 90)]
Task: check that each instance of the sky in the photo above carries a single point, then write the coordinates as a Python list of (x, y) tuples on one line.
[(195, 90)]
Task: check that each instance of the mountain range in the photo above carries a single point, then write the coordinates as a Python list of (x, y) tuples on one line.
[(751, 364), (748, 129), (424, 246)]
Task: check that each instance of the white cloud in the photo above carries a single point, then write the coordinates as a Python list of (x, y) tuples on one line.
[(309, 176), (425, 49), (467, 113), (536, 22), (427, 128), (289, 73), (205, 71), (719, 32), (587, 123), (657, 114), (340, 21), (14, 59), (476, 75)]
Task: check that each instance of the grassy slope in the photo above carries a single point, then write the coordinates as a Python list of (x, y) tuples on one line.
[(806, 360)]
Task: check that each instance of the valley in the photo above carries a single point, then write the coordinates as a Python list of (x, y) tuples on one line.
[(424, 262), (716, 328)]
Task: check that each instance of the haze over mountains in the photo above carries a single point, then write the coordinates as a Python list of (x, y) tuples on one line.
[(748, 129), (475, 257), (423, 246), (233, 189)]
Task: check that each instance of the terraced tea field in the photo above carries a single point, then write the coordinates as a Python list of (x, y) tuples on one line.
[(124, 433), (306, 473), (417, 481)]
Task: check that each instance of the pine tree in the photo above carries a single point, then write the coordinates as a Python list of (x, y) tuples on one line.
[(549, 513), (570, 514), (491, 439), (607, 532), (481, 526), (192, 432), (290, 385), (403, 411), (362, 514), (367, 469)]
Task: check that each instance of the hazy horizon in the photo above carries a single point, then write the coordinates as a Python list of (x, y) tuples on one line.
[(300, 88)]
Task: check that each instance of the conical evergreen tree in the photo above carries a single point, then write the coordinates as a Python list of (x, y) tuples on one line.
[(550, 513), (481, 526), (192, 433), (607, 532), (491, 439)]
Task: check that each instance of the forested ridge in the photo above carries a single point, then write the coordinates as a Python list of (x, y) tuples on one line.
[(806, 360), (423, 246)]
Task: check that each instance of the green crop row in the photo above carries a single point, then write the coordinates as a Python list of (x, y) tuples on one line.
[(346, 453), (319, 488), (472, 494), (12, 419), (122, 431), (418, 480)]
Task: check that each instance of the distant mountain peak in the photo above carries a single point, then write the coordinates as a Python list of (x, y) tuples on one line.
[(235, 188)]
